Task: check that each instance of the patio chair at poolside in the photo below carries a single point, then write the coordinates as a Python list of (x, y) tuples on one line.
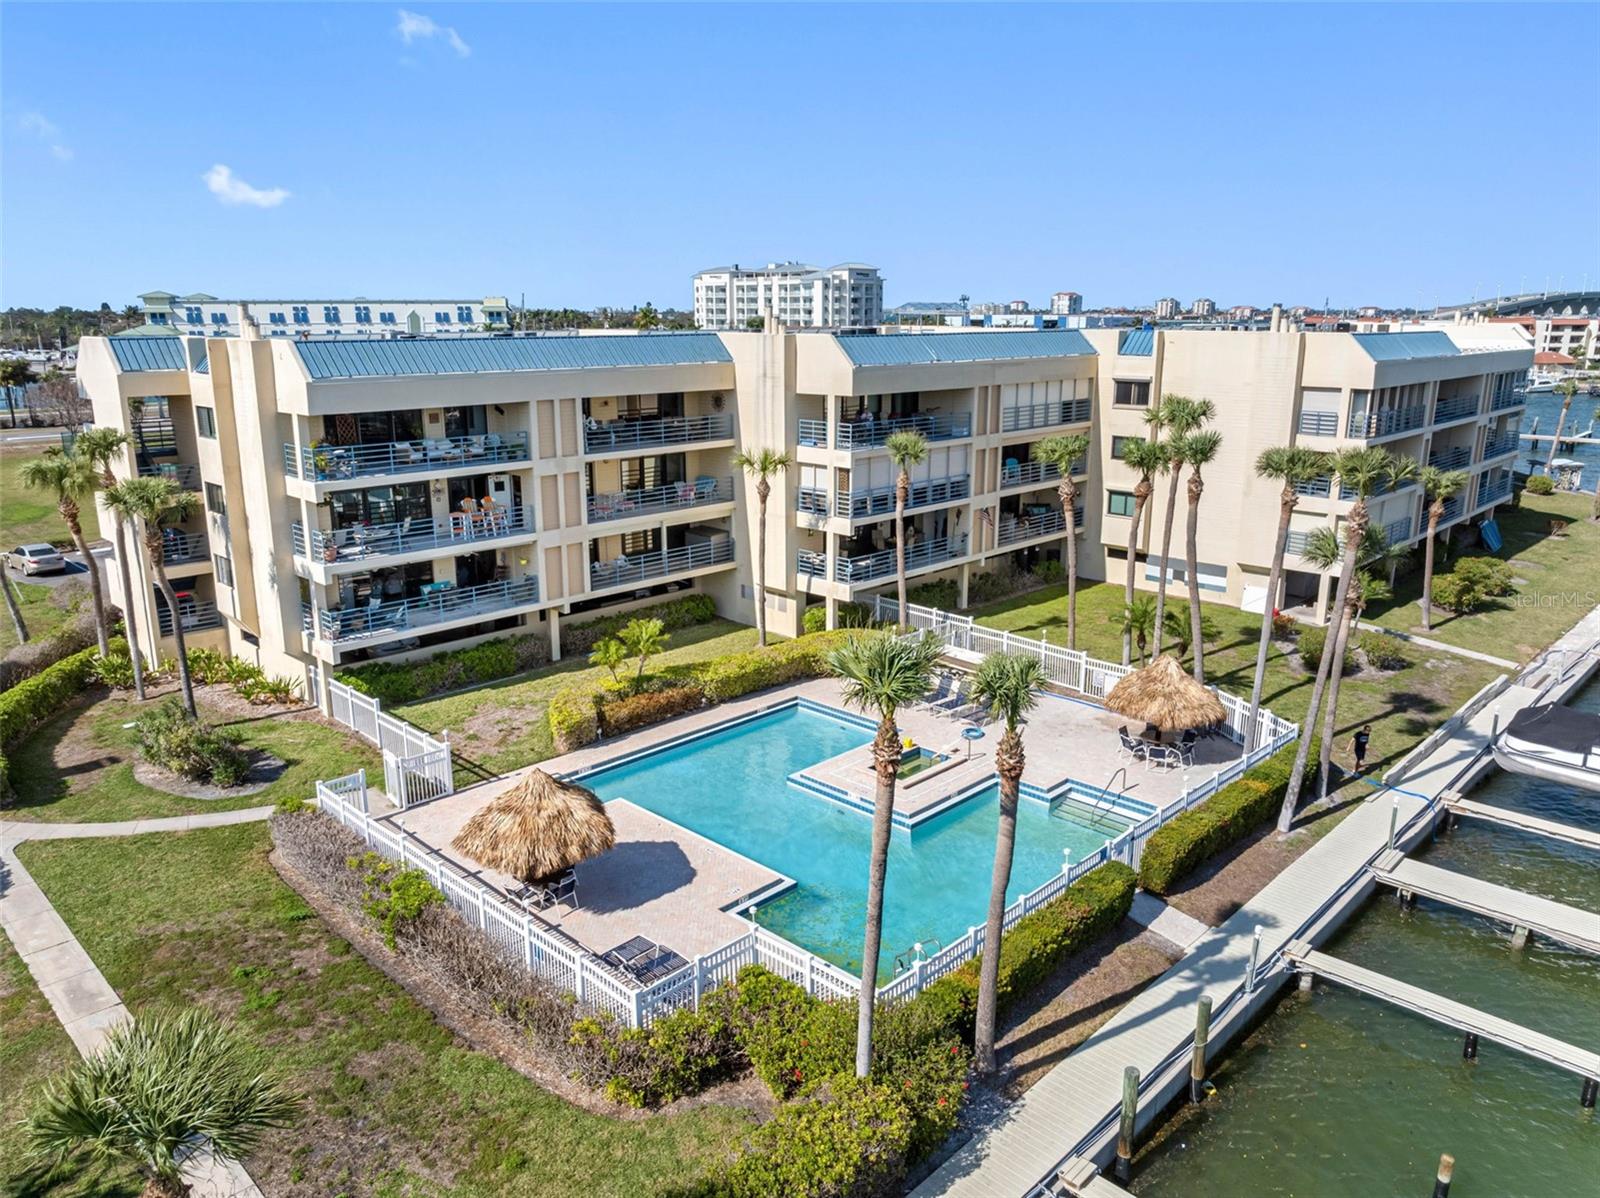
[(939, 693), (1164, 757), (562, 890), (1186, 745), (1132, 746)]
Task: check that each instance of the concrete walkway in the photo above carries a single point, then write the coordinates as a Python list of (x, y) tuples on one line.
[(1171, 924), (1411, 638), (83, 1001)]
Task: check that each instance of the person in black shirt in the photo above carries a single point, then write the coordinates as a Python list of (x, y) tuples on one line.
[(1360, 746)]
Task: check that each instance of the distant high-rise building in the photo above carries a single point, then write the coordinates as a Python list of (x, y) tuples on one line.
[(731, 297), (1066, 303), (1017, 306), (1166, 308), (1205, 309), (204, 315), (1241, 312)]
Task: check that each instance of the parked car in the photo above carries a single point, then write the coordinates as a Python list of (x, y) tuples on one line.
[(36, 559)]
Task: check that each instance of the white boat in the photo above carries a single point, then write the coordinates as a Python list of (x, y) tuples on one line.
[(1554, 743)]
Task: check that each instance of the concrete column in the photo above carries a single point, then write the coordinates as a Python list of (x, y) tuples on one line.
[(833, 421), (553, 618), (325, 686), (831, 606), (963, 580), (1324, 585)]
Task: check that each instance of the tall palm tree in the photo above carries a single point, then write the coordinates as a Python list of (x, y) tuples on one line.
[(906, 449), (101, 446), (159, 1089), (1438, 485), (1008, 685), (1361, 470), (154, 502), (1293, 466), (1146, 459), (1179, 416), (73, 480), (1199, 448), (1566, 389), (881, 674), (1063, 452), (762, 465)]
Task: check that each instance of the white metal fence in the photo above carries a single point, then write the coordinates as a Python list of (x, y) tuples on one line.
[(416, 765)]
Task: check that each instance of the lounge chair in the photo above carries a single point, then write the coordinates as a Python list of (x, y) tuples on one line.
[(940, 691)]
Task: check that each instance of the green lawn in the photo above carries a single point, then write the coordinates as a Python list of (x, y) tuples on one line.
[(79, 767), (40, 615), (501, 726), (1402, 706), (29, 515), (395, 1104), (1560, 583)]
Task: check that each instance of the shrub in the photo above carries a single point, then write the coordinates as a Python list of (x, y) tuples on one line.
[(941, 593), (1224, 819), (1049, 571), (736, 674), (1284, 626), (393, 894), (678, 1055), (24, 661), (115, 671), (171, 738), (650, 707), (1541, 484), (1490, 575), (851, 615), (207, 666), (1456, 593), (1383, 652), (405, 682), (1311, 644), (38, 699), (1004, 580), (683, 612), (574, 717)]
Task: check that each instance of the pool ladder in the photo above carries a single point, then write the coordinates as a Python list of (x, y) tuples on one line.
[(906, 959), (1104, 800)]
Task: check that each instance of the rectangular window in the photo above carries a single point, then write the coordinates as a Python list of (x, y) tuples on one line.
[(441, 318), (205, 419), (1119, 503), (363, 314), (1131, 393), (224, 569), (277, 318), (386, 318), (301, 315), (1118, 444), (330, 314), (214, 503), (193, 316), (219, 318), (464, 313)]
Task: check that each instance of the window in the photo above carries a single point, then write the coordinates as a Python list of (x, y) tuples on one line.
[(1119, 503), (193, 316), (224, 569), (214, 503), (301, 316), (464, 313), (158, 318), (330, 313), (386, 318), (1132, 393), (441, 318), (205, 420), (219, 318), (1118, 444), (277, 318), (363, 314)]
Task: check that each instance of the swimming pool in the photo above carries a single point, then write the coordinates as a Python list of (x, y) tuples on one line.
[(730, 786)]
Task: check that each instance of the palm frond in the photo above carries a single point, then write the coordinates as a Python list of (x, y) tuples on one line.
[(1008, 684), (882, 672)]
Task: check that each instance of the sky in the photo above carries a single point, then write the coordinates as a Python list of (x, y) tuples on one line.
[(590, 155)]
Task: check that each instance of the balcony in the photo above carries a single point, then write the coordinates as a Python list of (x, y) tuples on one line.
[(1316, 488), (443, 604), (1387, 423), (1349, 493), (1499, 446), (811, 501), (1452, 509), (1492, 492), (363, 542), (1044, 415), (625, 436), (879, 502), (185, 475), (812, 563), (1014, 529), (1397, 532), (1450, 459), (673, 497), (196, 615), (882, 564), (332, 463), (1295, 543), (630, 571), (1319, 424), (180, 548), (1457, 407), (870, 432), (1503, 402)]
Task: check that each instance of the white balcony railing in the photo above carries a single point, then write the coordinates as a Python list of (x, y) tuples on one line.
[(879, 501), (363, 542), (324, 463), (623, 435), (672, 497), (658, 563), (443, 603)]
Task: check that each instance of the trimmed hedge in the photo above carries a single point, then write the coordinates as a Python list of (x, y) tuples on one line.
[(724, 678), (574, 717), (1227, 817), (649, 707), (35, 701), (850, 615), (683, 612), (1384, 652)]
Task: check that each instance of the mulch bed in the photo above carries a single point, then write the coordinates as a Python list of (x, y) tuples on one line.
[(265, 769)]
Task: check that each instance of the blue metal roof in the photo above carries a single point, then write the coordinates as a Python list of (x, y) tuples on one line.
[(1398, 347), (340, 359), (203, 366), (1137, 343), (915, 349), (148, 353)]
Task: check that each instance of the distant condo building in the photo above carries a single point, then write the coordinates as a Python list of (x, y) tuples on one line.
[(1167, 308), (849, 295), (206, 315), (1205, 309), (1066, 303), (1241, 312)]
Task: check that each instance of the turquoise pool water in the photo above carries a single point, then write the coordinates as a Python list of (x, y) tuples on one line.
[(731, 788)]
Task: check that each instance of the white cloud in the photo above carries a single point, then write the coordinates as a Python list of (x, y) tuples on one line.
[(413, 26), (42, 127), (230, 189)]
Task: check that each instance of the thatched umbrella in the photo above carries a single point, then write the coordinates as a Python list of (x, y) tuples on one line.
[(1163, 694), (537, 829)]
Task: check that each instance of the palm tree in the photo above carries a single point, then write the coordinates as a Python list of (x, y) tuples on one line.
[(1064, 452), (906, 449), (1181, 630), (643, 639), (1566, 389), (881, 674), (160, 1088), (154, 502), (73, 480), (1361, 470), (1179, 416), (1198, 449), (762, 465), (1135, 622), (101, 446), (1008, 685), (1438, 485), (1146, 459), (1294, 467)]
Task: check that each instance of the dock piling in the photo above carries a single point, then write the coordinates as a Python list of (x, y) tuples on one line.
[(1441, 1179), (1519, 939), (1469, 1047), (1394, 819), (1591, 1089), (1202, 1032), (1255, 959), (1130, 1108)]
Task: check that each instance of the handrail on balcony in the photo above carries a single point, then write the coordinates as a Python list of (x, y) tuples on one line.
[(813, 501), (1319, 424), (1450, 459), (322, 463), (876, 565), (1034, 474), (1455, 407), (871, 431), (185, 474), (635, 568), (1024, 528), (1315, 488), (360, 542), (1043, 415), (608, 436), (1501, 402), (620, 505), (441, 604), (179, 547), (196, 615), (1494, 447), (879, 501), (1388, 422)]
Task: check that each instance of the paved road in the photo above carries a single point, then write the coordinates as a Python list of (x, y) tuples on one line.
[(75, 568)]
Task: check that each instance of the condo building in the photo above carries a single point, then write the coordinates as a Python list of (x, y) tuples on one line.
[(390, 498), (1167, 308), (849, 295), (207, 316), (1205, 309), (1066, 303)]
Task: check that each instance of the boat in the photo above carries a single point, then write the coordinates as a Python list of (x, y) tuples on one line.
[(1552, 742)]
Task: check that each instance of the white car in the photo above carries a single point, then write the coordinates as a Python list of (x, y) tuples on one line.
[(36, 559)]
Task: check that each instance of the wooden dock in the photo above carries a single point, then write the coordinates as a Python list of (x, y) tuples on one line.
[(1524, 822), (1468, 1020), (1554, 921)]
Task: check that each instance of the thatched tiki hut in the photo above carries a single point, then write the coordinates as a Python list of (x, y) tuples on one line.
[(537, 829), (1163, 694)]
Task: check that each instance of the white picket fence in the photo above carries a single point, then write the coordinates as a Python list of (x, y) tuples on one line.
[(416, 765)]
